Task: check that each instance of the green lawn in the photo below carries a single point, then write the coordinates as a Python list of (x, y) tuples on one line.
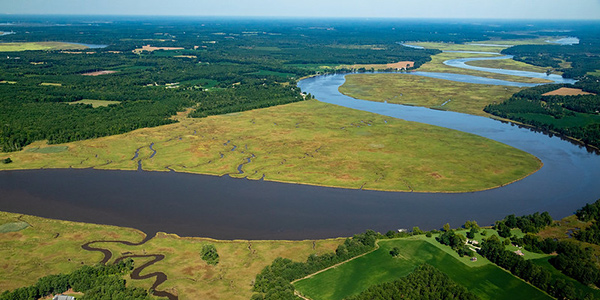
[(482, 278)]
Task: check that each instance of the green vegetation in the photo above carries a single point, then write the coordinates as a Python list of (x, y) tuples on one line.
[(437, 65), (48, 247), (13, 227), (95, 103), (273, 282), (47, 150), (508, 64), (484, 280), (574, 116), (422, 91), (324, 138), (14, 47), (96, 283), (210, 255), (54, 247), (426, 282)]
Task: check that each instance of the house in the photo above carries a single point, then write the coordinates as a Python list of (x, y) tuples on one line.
[(63, 297), (519, 253)]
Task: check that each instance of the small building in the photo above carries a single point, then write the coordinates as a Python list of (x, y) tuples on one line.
[(63, 297), (519, 253), (473, 259)]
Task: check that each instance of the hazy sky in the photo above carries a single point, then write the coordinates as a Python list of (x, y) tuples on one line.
[(496, 9)]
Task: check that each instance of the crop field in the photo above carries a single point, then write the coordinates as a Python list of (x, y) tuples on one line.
[(482, 278), (52, 246), (428, 92), (15, 47), (307, 142)]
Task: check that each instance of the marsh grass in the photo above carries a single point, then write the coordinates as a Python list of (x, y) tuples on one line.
[(308, 142)]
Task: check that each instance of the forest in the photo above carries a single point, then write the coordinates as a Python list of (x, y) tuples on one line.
[(223, 68), (573, 116)]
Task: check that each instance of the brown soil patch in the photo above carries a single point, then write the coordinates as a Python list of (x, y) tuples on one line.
[(398, 65), (567, 92), (436, 175), (99, 73), (150, 48)]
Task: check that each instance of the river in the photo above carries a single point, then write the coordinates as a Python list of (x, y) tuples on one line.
[(228, 208)]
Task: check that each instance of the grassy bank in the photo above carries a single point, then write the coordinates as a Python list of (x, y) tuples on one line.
[(428, 92), (308, 142), (51, 246)]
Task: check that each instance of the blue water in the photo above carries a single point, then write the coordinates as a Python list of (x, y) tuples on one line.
[(461, 63)]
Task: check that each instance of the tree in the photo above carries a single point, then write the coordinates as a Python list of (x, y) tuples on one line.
[(210, 255), (446, 227), (472, 232), (394, 252), (416, 230), (7, 160)]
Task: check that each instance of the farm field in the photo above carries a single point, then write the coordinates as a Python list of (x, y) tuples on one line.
[(307, 142), (482, 278), (14, 47), (53, 246), (422, 91)]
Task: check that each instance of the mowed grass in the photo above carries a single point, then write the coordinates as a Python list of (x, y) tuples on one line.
[(422, 91), (307, 142), (53, 246), (15, 47), (95, 103), (484, 279)]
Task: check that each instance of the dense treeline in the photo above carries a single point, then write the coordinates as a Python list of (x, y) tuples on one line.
[(456, 241), (249, 95), (581, 58), (574, 116), (273, 282), (571, 259), (99, 282), (425, 282), (591, 234), (493, 249)]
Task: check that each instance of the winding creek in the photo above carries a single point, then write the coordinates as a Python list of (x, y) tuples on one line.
[(228, 208)]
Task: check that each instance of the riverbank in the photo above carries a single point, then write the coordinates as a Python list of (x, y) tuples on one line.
[(50, 246), (309, 143)]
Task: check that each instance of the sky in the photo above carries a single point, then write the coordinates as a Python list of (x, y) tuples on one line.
[(453, 9)]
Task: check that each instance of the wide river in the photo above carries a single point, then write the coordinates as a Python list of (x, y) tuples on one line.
[(227, 208)]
